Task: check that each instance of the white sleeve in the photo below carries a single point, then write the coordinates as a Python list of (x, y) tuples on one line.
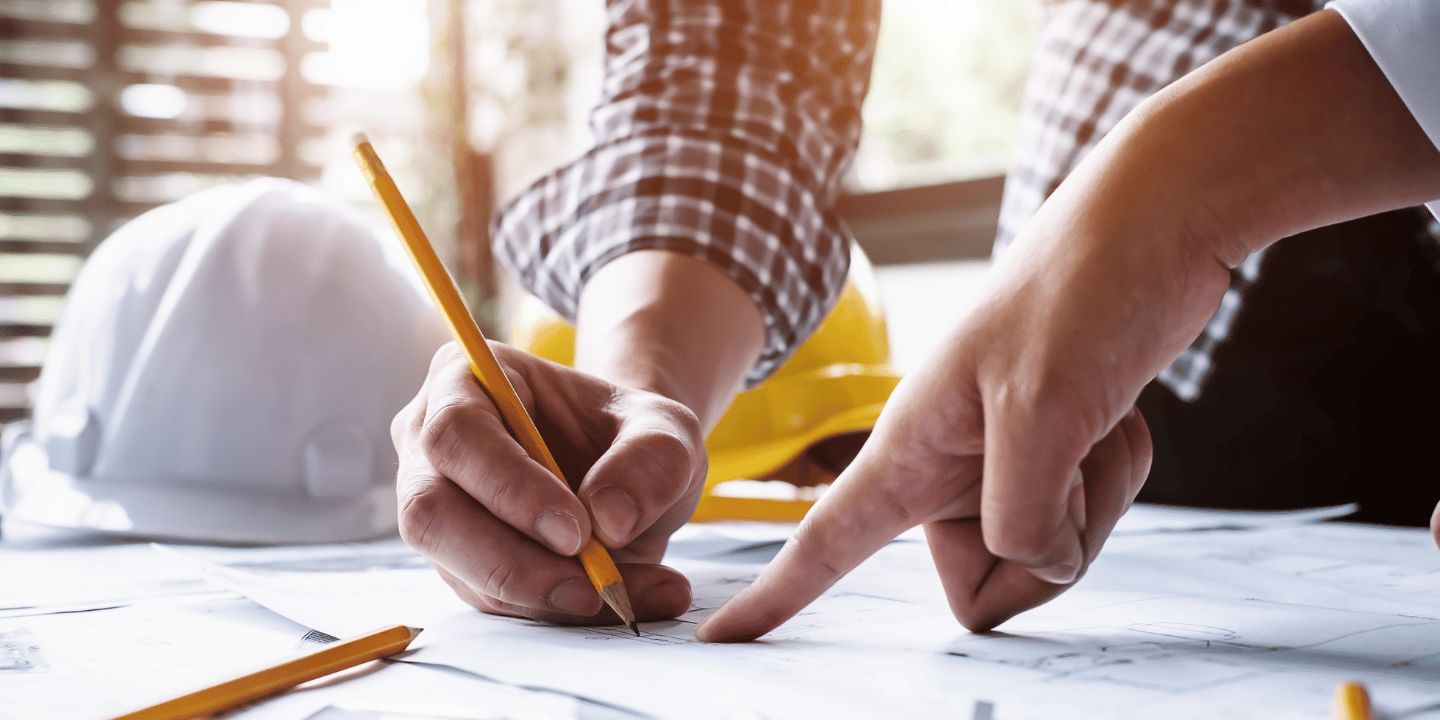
[(1403, 36)]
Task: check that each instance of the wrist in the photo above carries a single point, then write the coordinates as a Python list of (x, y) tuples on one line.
[(669, 324)]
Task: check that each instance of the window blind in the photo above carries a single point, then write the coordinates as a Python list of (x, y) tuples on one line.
[(110, 108)]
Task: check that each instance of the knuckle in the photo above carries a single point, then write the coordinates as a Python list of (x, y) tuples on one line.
[(683, 418), (669, 453), (894, 506), (665, 415), (397, 427), (446, 354), (817, 550), (405, 421), (419, 504), (1053, 401), (664, 463), (443, 432), (504, 491)]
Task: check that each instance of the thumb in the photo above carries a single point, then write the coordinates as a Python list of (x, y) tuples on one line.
[(1032, 506), (852, 521)]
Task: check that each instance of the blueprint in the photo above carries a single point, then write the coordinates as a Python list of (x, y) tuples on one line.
[(1215, 615)]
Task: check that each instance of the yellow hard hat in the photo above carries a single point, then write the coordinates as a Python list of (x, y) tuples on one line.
[(802, 425)]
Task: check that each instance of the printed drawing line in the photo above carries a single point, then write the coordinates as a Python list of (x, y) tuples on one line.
[(652, 638), (664, 632)]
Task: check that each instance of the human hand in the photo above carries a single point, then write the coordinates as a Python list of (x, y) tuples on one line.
[(1017, 444), (502, 530), (1006, 445)]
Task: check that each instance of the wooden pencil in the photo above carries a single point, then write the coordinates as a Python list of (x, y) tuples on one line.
[(248, 688), (597, 563), (1352, 702)]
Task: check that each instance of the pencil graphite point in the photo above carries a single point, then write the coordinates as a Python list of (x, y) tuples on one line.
[(614, 595), (635, 627)]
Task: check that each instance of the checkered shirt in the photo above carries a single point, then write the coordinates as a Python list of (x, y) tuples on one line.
[(725, 127), (722, 133)]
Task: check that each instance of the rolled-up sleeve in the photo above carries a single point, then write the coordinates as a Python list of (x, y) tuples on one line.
[(1403, 36), (722, 134)]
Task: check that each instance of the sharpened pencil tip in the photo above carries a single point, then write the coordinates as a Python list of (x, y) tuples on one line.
[(614, 596), (636, 628)]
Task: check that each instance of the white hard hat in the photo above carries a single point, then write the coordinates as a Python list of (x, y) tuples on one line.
[(226, 369)]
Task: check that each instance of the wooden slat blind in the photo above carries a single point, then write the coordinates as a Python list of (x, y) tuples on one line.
[(109, 108)]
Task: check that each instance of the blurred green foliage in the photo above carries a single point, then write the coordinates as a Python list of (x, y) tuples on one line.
[(945, 93)]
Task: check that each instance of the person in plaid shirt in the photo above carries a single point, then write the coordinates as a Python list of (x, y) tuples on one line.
[(695, 247)]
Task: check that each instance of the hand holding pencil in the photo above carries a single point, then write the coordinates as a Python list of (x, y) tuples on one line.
[(482, 495)]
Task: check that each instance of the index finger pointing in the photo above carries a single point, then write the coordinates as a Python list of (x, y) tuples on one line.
[(849, 524)]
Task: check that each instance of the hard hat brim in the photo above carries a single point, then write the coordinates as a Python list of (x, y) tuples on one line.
[(31, 492)]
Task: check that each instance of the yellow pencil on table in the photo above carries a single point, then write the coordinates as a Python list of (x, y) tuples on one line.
[(325, 661), (596, 561), (1352, 702)]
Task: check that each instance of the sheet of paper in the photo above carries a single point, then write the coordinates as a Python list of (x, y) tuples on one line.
[(101, 663), (403, 691), (1254, 624), (343, 590), (1257, 624), (44, 571), (1184, 616)]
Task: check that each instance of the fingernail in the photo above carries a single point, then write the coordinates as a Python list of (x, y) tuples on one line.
[(576, 597), (561, 531), (1062, 573), (614, 513), (701, 630), (670, 599), (704, 630)]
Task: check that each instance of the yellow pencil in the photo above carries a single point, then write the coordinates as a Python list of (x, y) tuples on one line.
[(1352, 702), (597, 563), (256, 685)]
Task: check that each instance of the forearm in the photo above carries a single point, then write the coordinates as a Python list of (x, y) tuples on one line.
[(1292, 131), (670, 324)]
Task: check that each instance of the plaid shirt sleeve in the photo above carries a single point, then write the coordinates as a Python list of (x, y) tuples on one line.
[(722, 133)]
